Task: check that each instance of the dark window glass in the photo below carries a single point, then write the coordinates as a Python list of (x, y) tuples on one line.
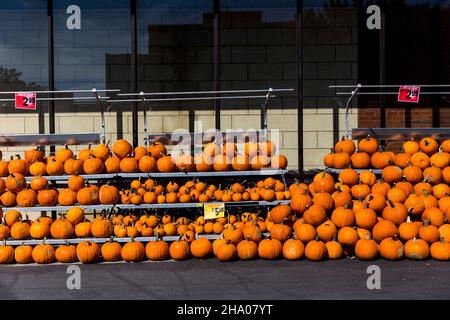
[(258, 49), (175, 48), (98, 54), (23, 45)]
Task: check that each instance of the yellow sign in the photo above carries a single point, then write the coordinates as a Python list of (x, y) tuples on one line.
[(213, 210)]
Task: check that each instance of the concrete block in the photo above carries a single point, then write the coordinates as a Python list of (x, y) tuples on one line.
[(317, 122)]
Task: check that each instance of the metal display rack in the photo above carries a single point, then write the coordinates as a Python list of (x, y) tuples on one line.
[(383, 133), (144, 206)]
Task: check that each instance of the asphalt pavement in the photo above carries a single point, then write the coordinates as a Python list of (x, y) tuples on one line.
[(211, 279)]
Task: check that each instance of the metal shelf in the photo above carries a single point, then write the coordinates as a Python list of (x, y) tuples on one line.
[(376, 171), (103, 240), (144, 206), (268, 172)]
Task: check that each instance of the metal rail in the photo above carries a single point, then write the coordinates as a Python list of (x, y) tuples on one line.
[(49, 139), (103, 240), (142, 206), (268, 172), (203, 92), (376, 171), (401, 133)]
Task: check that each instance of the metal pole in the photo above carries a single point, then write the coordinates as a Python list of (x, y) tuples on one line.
[(134, 80), (145, 121), (264, 107), (51, 79), (216, 60), (299, 31), (347, 107), (383, 68)]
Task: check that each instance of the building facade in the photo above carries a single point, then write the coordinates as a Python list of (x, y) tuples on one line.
[(157, 46)]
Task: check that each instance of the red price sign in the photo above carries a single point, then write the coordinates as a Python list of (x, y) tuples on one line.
[(26, 100), (408, 94)]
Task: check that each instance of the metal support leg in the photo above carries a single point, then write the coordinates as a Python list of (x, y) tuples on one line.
[(347, 107), (264, 114), (145, 119), (102, 114)]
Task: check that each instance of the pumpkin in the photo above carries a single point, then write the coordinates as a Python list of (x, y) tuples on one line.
[(18, 165), (108, 194), (341, 160), (392, 174), (122, 148), (323, 182), (75, 183), (382, 159), (62, 229), (343, 217), (376, 201), (38, 169), (345, 145), (39, 230), (147, 164), (88, 195), (349, 176), (43, 253), (441, 190), (179, 250), (360, 160), (368, 178), (6, 253), (420, 159), (23, 254), (240, 163), (64, 154), (328, 159), (157, 250), (201, 248), (88, 252), (411, 147), (429, 233), (408, 230), (428, 145), (366, 249), (323, 200), (440, 250), (101, 152), (433, 175), (360, 191), (157, 150), (305, 232), (38, 183), (326, 231), (67, 197), (315, 250), (279, 161), (26, 198), (203, 162), (33, 155), (434, 215), (384, 229), (417, 249), (4, 168), (73, 166), (341, 198), (402, 160), (133, 251), (102, 228), (440, 160), (293, 249), (395, 212), (66, 254), (83, 229), (252, 232), (165, 164), (226, 252), (259, 162), (75, 215), (15, 182), (334, 250), (233, 235), (4, 231), (348, 236), (315, 215), (267, 148), (280, 213), (8, 199), (129, 165), (270, 249), (85, 154), (251, 149), (20, 230), (247, 250), (445, 146), (112, 164), (12, 217), (365, 218), (391, 248), (93, 166)]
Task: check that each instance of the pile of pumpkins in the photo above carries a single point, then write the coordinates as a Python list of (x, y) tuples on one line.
[(123, 158), (405, 212), (14, 191)]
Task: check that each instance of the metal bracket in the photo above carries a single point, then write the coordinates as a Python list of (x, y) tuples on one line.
[(347, 107)]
